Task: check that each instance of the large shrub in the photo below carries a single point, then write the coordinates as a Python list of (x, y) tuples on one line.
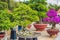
[(52, 18)]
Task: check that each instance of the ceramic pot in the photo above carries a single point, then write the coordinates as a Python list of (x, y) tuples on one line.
[(52, 31), (40, 27)]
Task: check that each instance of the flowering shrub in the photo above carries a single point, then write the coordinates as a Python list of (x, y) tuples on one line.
[(52, 20), (52, 17), (51, 13), (56, 19)]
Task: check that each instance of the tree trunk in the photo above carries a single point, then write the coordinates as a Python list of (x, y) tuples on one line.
[(9, 7), (53, 26), (41, 20)]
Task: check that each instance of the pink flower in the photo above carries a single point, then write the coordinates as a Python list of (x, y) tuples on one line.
[(47, 19), (56, 19), (51, 13)]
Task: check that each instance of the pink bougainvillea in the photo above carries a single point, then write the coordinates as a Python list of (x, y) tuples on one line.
[(52, 17)]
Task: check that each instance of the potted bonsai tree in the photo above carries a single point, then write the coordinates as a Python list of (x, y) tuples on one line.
[(24, 15), (40, 7), (52, 18)]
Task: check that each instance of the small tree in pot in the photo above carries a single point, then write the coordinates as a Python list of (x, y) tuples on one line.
[(24, 15), (53, 19), (40, 7)]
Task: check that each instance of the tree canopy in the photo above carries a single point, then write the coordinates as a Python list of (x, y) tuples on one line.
[(24, 14), (40, 6)]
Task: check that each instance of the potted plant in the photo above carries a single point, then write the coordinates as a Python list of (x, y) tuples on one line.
[(52, 18), (24, 15), (40, 7)]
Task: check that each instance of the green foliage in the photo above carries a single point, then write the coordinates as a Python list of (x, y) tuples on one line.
[(38, 5), (3, 5), (13, 23), (42, 14), (3, 0), (54, 6), (21, 14), (24, 15), (4, 20)]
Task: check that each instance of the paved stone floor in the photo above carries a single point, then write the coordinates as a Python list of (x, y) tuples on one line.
[(44, 35)]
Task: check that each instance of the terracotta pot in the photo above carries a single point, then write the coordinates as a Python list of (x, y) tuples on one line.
[(40, 27), (52, 31), (2, 34)]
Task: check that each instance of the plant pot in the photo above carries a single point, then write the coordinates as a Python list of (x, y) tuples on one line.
[(52, 32), (2, 34), (40, 27)]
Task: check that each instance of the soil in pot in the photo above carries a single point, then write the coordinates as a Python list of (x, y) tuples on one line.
[(52, 32), (40, 27)]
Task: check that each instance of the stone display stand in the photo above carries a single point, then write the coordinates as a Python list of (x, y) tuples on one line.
[(30, 37)]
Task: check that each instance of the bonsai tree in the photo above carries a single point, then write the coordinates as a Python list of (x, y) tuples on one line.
[(52, 18), (40, 6), (24, 15)]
